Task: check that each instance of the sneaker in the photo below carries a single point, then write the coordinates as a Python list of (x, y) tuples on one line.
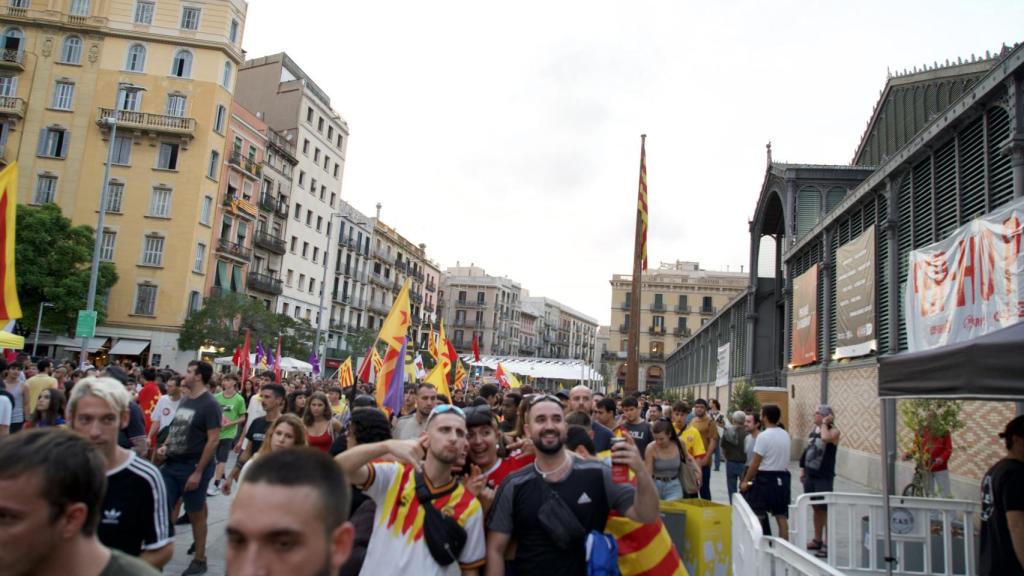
[(815, 545), (213, 490), (195, 567), (821, 552)]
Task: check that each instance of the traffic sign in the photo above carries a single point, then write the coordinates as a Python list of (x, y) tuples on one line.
[(86, 326)]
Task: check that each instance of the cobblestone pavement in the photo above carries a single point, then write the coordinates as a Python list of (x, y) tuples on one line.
[(220, 505)]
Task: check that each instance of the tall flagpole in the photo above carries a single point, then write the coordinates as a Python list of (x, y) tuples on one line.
[(639, 257)]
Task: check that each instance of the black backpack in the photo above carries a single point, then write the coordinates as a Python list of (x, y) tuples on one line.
[(444, 536)]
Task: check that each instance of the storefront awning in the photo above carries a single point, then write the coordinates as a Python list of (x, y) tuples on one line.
[(92, 345), (127, 347)]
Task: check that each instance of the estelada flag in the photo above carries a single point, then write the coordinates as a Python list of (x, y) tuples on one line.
[(10, 307), (345, 376)]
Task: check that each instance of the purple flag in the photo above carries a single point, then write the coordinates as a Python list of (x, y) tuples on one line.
[(315, 362), (259, 354), (396, 388)]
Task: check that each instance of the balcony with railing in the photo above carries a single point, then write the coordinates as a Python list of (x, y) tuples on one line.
[(144, 122), (683, 309), (380, 280), (396, 286), (383, 255), (270, 243), (11, 106), (656, 330), (471, 303), (708, 310), (268, 203), (282, 207), (625, 305), (379, 308), (233, 249), (281, 142), (682, 332), (247, 166), (416, 297), (658, 307), (264, 283), (12, 59), (220, 291), (428, 307), (431, 287)]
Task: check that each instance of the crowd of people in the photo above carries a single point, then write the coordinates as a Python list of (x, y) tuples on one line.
[(100, 468)]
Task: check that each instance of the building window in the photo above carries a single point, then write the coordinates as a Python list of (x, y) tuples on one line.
[(145, 300), (122, 150), (204, 212), (305, 249), (136, 60), (160, 202), (8, 85), (71, 51), (327, 163), (190, 18), (330, 132), (309, 114), (213, 168), (312, 285), (320, 125), (339, 141), (319, 222), (107, 245), (298, 211), (79, 7), (63, 95), (176, 105), (144, 12), (129, 100), (337, 169), (115, 197), (291, 247), (153, 251), (233, 31), (316, 254), (312, 185), (309, 218), (305, 146), (53, 142), (46, 190), (225, 79), (168, 156), (197, 266), (218, 119), (195, 301), (181, 65)]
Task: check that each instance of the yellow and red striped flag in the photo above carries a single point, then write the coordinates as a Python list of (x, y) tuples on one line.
[(345, 376), (641, 206), (10, 307)]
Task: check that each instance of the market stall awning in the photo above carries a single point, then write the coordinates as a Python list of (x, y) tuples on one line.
[(129, 347), (91, 346), (551, 368)]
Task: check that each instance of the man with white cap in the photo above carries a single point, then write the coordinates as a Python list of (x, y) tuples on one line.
[(818, 469)]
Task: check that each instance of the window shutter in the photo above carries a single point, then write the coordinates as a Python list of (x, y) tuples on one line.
[(65, 139), (41, 147)]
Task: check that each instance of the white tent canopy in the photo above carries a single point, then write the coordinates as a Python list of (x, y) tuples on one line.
[(288, 364), (551, 368)]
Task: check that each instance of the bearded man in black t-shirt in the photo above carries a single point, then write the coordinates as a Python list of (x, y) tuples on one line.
[(584, 487), (1002, 509)]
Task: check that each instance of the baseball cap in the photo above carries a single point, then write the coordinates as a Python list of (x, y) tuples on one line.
[(825, 410), (1014, 427)]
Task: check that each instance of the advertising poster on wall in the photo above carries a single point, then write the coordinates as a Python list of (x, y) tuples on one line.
[(722, 372), (968, 284), (855, 297), (805, 318)]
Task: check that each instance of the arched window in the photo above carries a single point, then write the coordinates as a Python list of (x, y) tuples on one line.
[(136, 61), (225, 80), (14, 41), (71, 51), (181, 66)]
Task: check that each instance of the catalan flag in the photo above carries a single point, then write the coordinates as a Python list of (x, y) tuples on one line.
[(345, 376), (641, 206), (10, 307), (644, 549)]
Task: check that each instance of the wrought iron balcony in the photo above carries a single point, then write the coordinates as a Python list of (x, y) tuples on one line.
[(233, 249), (379, 308), (264, 283), (683, 332), (416, 297), (268, 203), (380, 280), (219, 291), (683, 309), (471, 303), (270, 243), (625, 305), (708, 310), (656, 329), (431, 287), (12, 59), (11, 106), (428, 307), (282, 207), (657, 307), (248, 167), (145, 122)]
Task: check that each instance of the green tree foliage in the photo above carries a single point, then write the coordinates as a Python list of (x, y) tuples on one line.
[(743, 397), (360, 341), (222, 321), (53, 260)]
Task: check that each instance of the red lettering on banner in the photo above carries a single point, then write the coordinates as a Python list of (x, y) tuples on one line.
[(977, 262), (1012, 233)]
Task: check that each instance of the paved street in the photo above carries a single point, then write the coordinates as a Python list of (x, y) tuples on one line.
[(219, 506)]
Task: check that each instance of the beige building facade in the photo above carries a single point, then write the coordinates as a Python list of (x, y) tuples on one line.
[(488, 307), (62, 69), (562, 332), (675, 299)]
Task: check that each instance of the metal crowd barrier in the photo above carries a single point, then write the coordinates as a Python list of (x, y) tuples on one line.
[(754, 554), (929, 535)]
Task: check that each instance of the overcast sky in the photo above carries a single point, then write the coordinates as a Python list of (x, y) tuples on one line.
[(508, 134)]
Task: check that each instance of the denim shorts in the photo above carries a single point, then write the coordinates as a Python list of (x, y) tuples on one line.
[(669, 489), (176, 475)]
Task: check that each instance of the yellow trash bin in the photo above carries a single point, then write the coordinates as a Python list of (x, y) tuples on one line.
[(702, 533)]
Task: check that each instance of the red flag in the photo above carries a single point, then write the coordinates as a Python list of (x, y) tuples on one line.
[(245, 366), (277, 362), (237, 357), (476, 348), (366, 367), (453, 358)]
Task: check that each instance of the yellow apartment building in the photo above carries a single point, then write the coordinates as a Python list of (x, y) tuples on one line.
[(675, 300), (61, 70)]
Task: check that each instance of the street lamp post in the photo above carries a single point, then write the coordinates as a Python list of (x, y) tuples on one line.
[(94, 271), (323, 283), (39, 322)]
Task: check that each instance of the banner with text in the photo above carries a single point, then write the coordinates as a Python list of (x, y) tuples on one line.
[(968, 284), (805, 318), (722, 373), (855, 297)]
